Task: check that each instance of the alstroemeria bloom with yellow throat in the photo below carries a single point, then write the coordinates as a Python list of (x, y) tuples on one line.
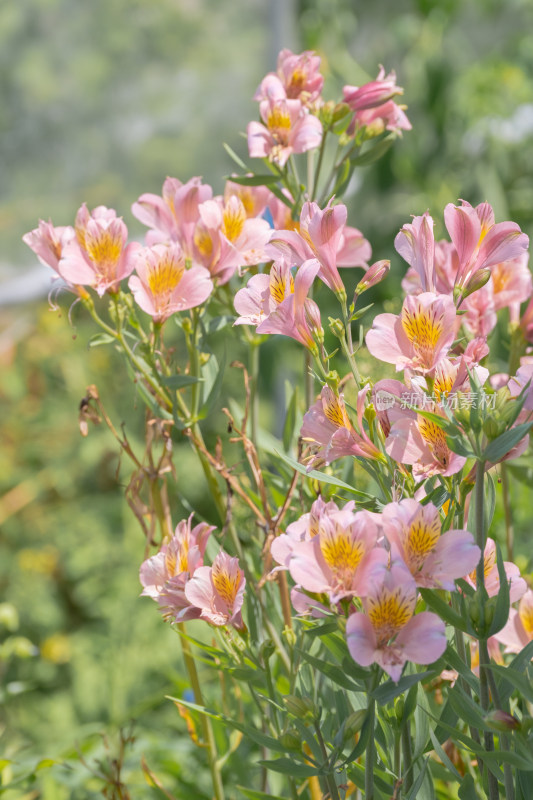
[(418, 337), (288, 128), (278, 303), (99, 256), (324, 235), (435, 560), (163, 286), (327, 427), (518, 631), (218, 591), (337, 560), (164, 575), (388, 633)]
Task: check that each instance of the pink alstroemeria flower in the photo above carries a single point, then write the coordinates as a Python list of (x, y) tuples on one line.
[(174, 215), (227, 238), (165, 575), (163, 286), (298, 78), (374, 107), (327, 427), (387, 633), (339, 558), (417, 338), (254, 198), (47, 242), (518, 631), (416, 244), (434, 560), (323, 235), (517, 585), (479, 241), (277, 303), (302, 530), (218, 591), (99, 256), (511, 282), (411, 438), (288, 128)]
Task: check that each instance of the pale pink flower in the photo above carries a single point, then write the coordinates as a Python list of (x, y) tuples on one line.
[(511, 282), (523, 380), (374, 275), (302, 530), (517, 585), (47, 242), (445, 266), (435, 560), (412, 438), (218, 591), (253, 198), (298, 78), (227, 239), (387, 633), (374, 107), (416, 244), (163, 286), (277, 303), (518, 631), (323, 235), (288, 128), (99, 256), (479, 241), (165, 575), (417, 338), (526, 322), (480, 317), (174, 215), (338, 559), (374, 93), (327, 427)]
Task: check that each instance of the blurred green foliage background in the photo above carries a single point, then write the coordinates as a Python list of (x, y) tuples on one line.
[(101, 101)]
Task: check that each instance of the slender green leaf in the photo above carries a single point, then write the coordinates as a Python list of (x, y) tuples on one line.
[(389, 690), (289, 767), (233, 155), (467, 789), (321, 476), (101, 338), (518, 680), (375, 152), (254, 795), (443, 756), (290, 420), (333, 672), (500, 446), (444, 610), (254, 180), (179, 381), (503, 603)]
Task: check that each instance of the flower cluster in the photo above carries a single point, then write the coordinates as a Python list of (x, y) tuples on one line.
[(177, 579)]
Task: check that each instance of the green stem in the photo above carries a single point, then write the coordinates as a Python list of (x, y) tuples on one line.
[(407, 773), (484, 659), (190, 665), (254, 394), (506, 496), (318, 167), (370, 751), (330, 778)]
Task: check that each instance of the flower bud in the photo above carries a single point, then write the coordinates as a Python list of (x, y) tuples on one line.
[(267, 649), (291, 740), (300, 707), (492, 428), (399, 708), (477, 281), (336, 326), (500, 720), (354, 723), (290, 636), (373, 276)]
